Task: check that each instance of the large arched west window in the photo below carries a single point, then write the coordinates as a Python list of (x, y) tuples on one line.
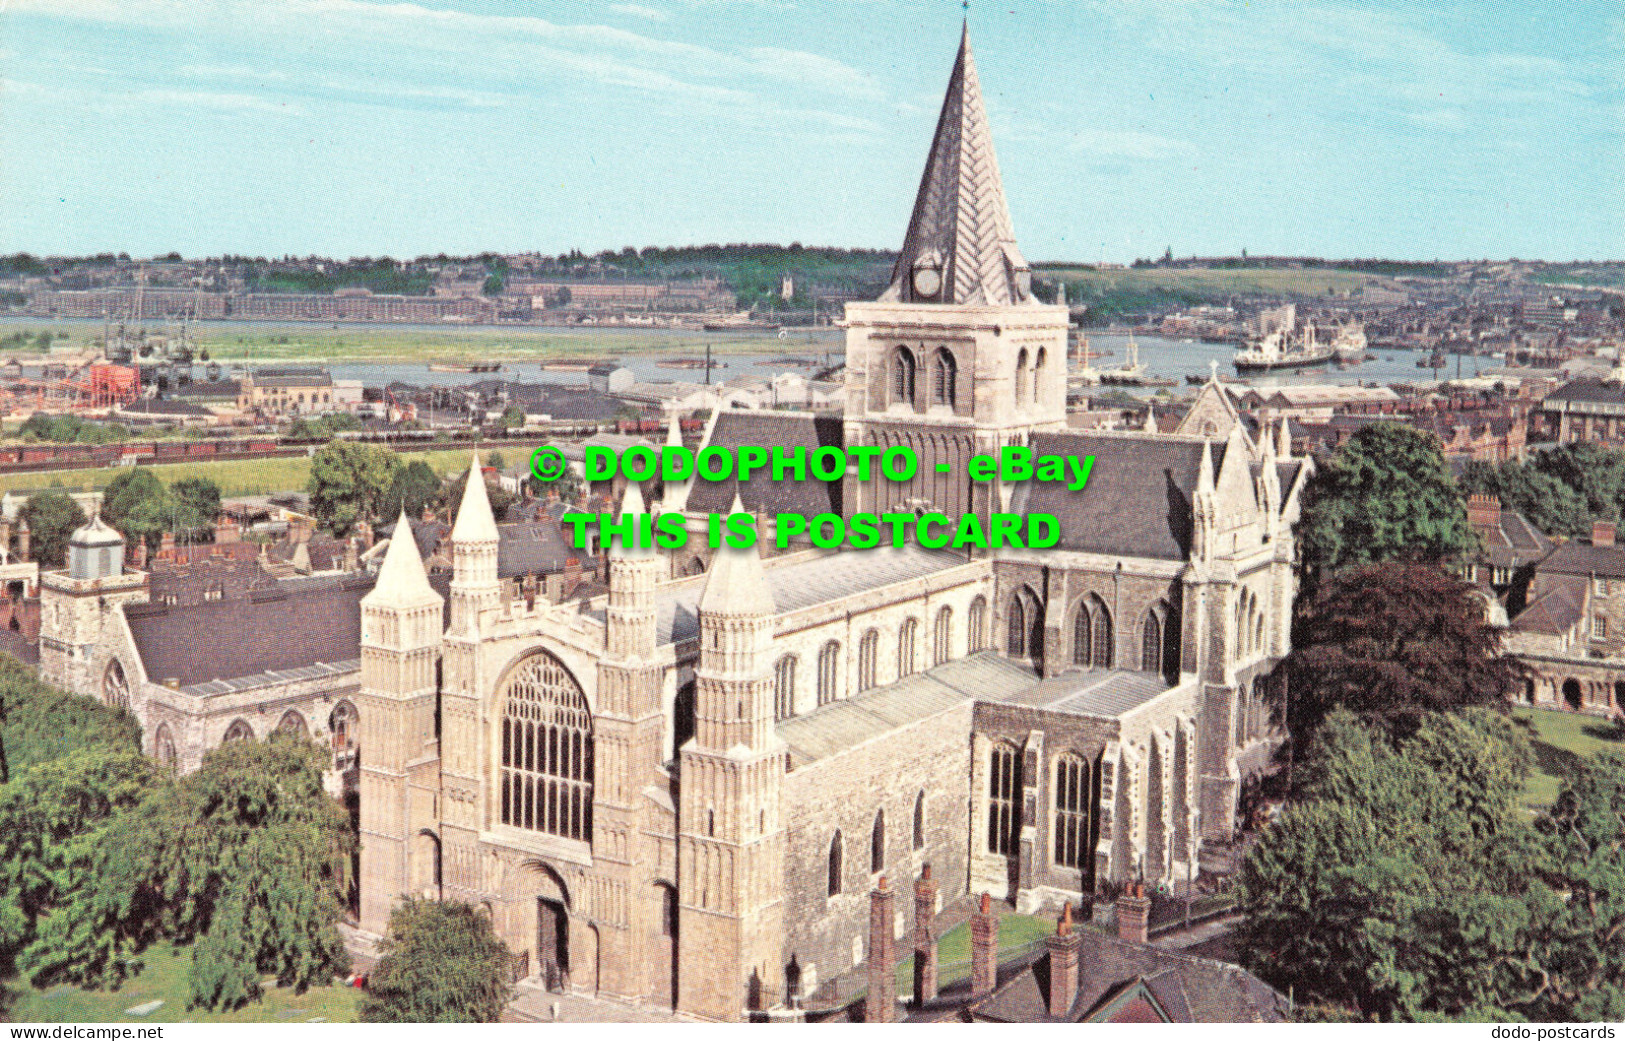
[(829, 673), (1071, 811), (868, 653), (1003, 798), (1092, 634), (942, 639), (115, 686), (784, 687), (546, 753), (903, 368), (977, 636), (944, 376), (908, 638)]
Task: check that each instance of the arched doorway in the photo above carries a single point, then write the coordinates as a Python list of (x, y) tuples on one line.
[(552, 938), (663, 944), (1572, 695)]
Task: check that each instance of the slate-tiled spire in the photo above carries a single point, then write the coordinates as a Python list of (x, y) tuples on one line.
[(960, 248)]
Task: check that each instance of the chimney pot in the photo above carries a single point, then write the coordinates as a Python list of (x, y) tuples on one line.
[(1134, 915), (1063, 966), (925, 938)]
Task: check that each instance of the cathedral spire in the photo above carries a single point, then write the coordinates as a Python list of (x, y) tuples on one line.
[(475, 522), (402, 582), (632, 509), (736, 584), (960, 248)]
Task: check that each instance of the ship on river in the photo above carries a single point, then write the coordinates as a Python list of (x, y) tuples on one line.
[(1350, 343), (1279, 349)]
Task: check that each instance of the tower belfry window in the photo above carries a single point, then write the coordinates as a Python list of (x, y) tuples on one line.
[(944, 374), (902, 376)]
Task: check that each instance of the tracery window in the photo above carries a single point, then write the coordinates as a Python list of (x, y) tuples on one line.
[(944, 374), (1003, 796), (115, 686), (1092, 634), (547, 751), (1071, 811), (1024, 627), (902, 376)]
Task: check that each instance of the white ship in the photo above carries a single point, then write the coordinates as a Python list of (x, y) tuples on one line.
[(1350, 343), (1278, 350)]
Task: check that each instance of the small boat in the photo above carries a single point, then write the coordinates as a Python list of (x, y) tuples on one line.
[(479, 366)]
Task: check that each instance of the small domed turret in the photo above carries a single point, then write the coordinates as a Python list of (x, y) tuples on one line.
[(95, 551)]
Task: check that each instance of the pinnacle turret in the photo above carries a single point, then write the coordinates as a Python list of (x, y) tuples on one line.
[(475, 521), (736, 584), (402, 581)]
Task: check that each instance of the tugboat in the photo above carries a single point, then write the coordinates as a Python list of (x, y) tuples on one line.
[(1277, 351)]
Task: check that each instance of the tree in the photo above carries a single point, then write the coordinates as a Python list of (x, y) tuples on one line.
[(348, 481), (1391, 643), (52, 517), (441, 964), (1399, 887), (512, 416), (500, 500), (1543, 500), (196, 503), (136, 503), (416, 485), (1386, 494), (496, 460)]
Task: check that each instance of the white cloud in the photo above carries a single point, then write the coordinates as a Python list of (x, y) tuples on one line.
[(640, 11)]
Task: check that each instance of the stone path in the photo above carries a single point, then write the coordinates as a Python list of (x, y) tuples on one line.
[(532, 1004)]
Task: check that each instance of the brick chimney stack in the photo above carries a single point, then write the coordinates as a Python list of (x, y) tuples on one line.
[(166, 546), (1063, 966), (1134, 914), (1602, 533), (226, 530), (984, 947), (880, 1005), (364, 532), (925, 938), (1483, 511)]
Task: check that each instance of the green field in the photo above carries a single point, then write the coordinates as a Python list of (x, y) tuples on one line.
[(164, 979), (1016, 932), (1561, 738), (1217, 283), (235, 477)]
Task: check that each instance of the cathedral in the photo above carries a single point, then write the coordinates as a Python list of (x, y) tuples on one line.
[(683, 792)]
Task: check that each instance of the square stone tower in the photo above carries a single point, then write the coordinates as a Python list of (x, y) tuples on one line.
[(956, 358)]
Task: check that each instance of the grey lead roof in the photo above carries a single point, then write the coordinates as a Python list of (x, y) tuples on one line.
[(840, 725), (805, 583)]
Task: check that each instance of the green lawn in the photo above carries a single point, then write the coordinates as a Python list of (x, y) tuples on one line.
[(164, 979), (1016, 931), (235, 477), (1560, 739)]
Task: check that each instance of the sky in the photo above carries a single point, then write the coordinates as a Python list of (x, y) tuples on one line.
[(1454, 129)]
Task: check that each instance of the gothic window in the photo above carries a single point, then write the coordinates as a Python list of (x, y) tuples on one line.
[(238, 731), (835, 855), (1023, 378), (907, 637), (163, 746), (877, 844), (1003, 795), (902, 376), (943, 638), (293, 723), (1258, 633), (829, 672), (1092, 634), (1151, 643), (784, 688), (115, 687), (919, 821), (1038, 375), (1024, 627), (944, 371), (978, 625), (547, 750), (1071, 811), (868, 651)]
